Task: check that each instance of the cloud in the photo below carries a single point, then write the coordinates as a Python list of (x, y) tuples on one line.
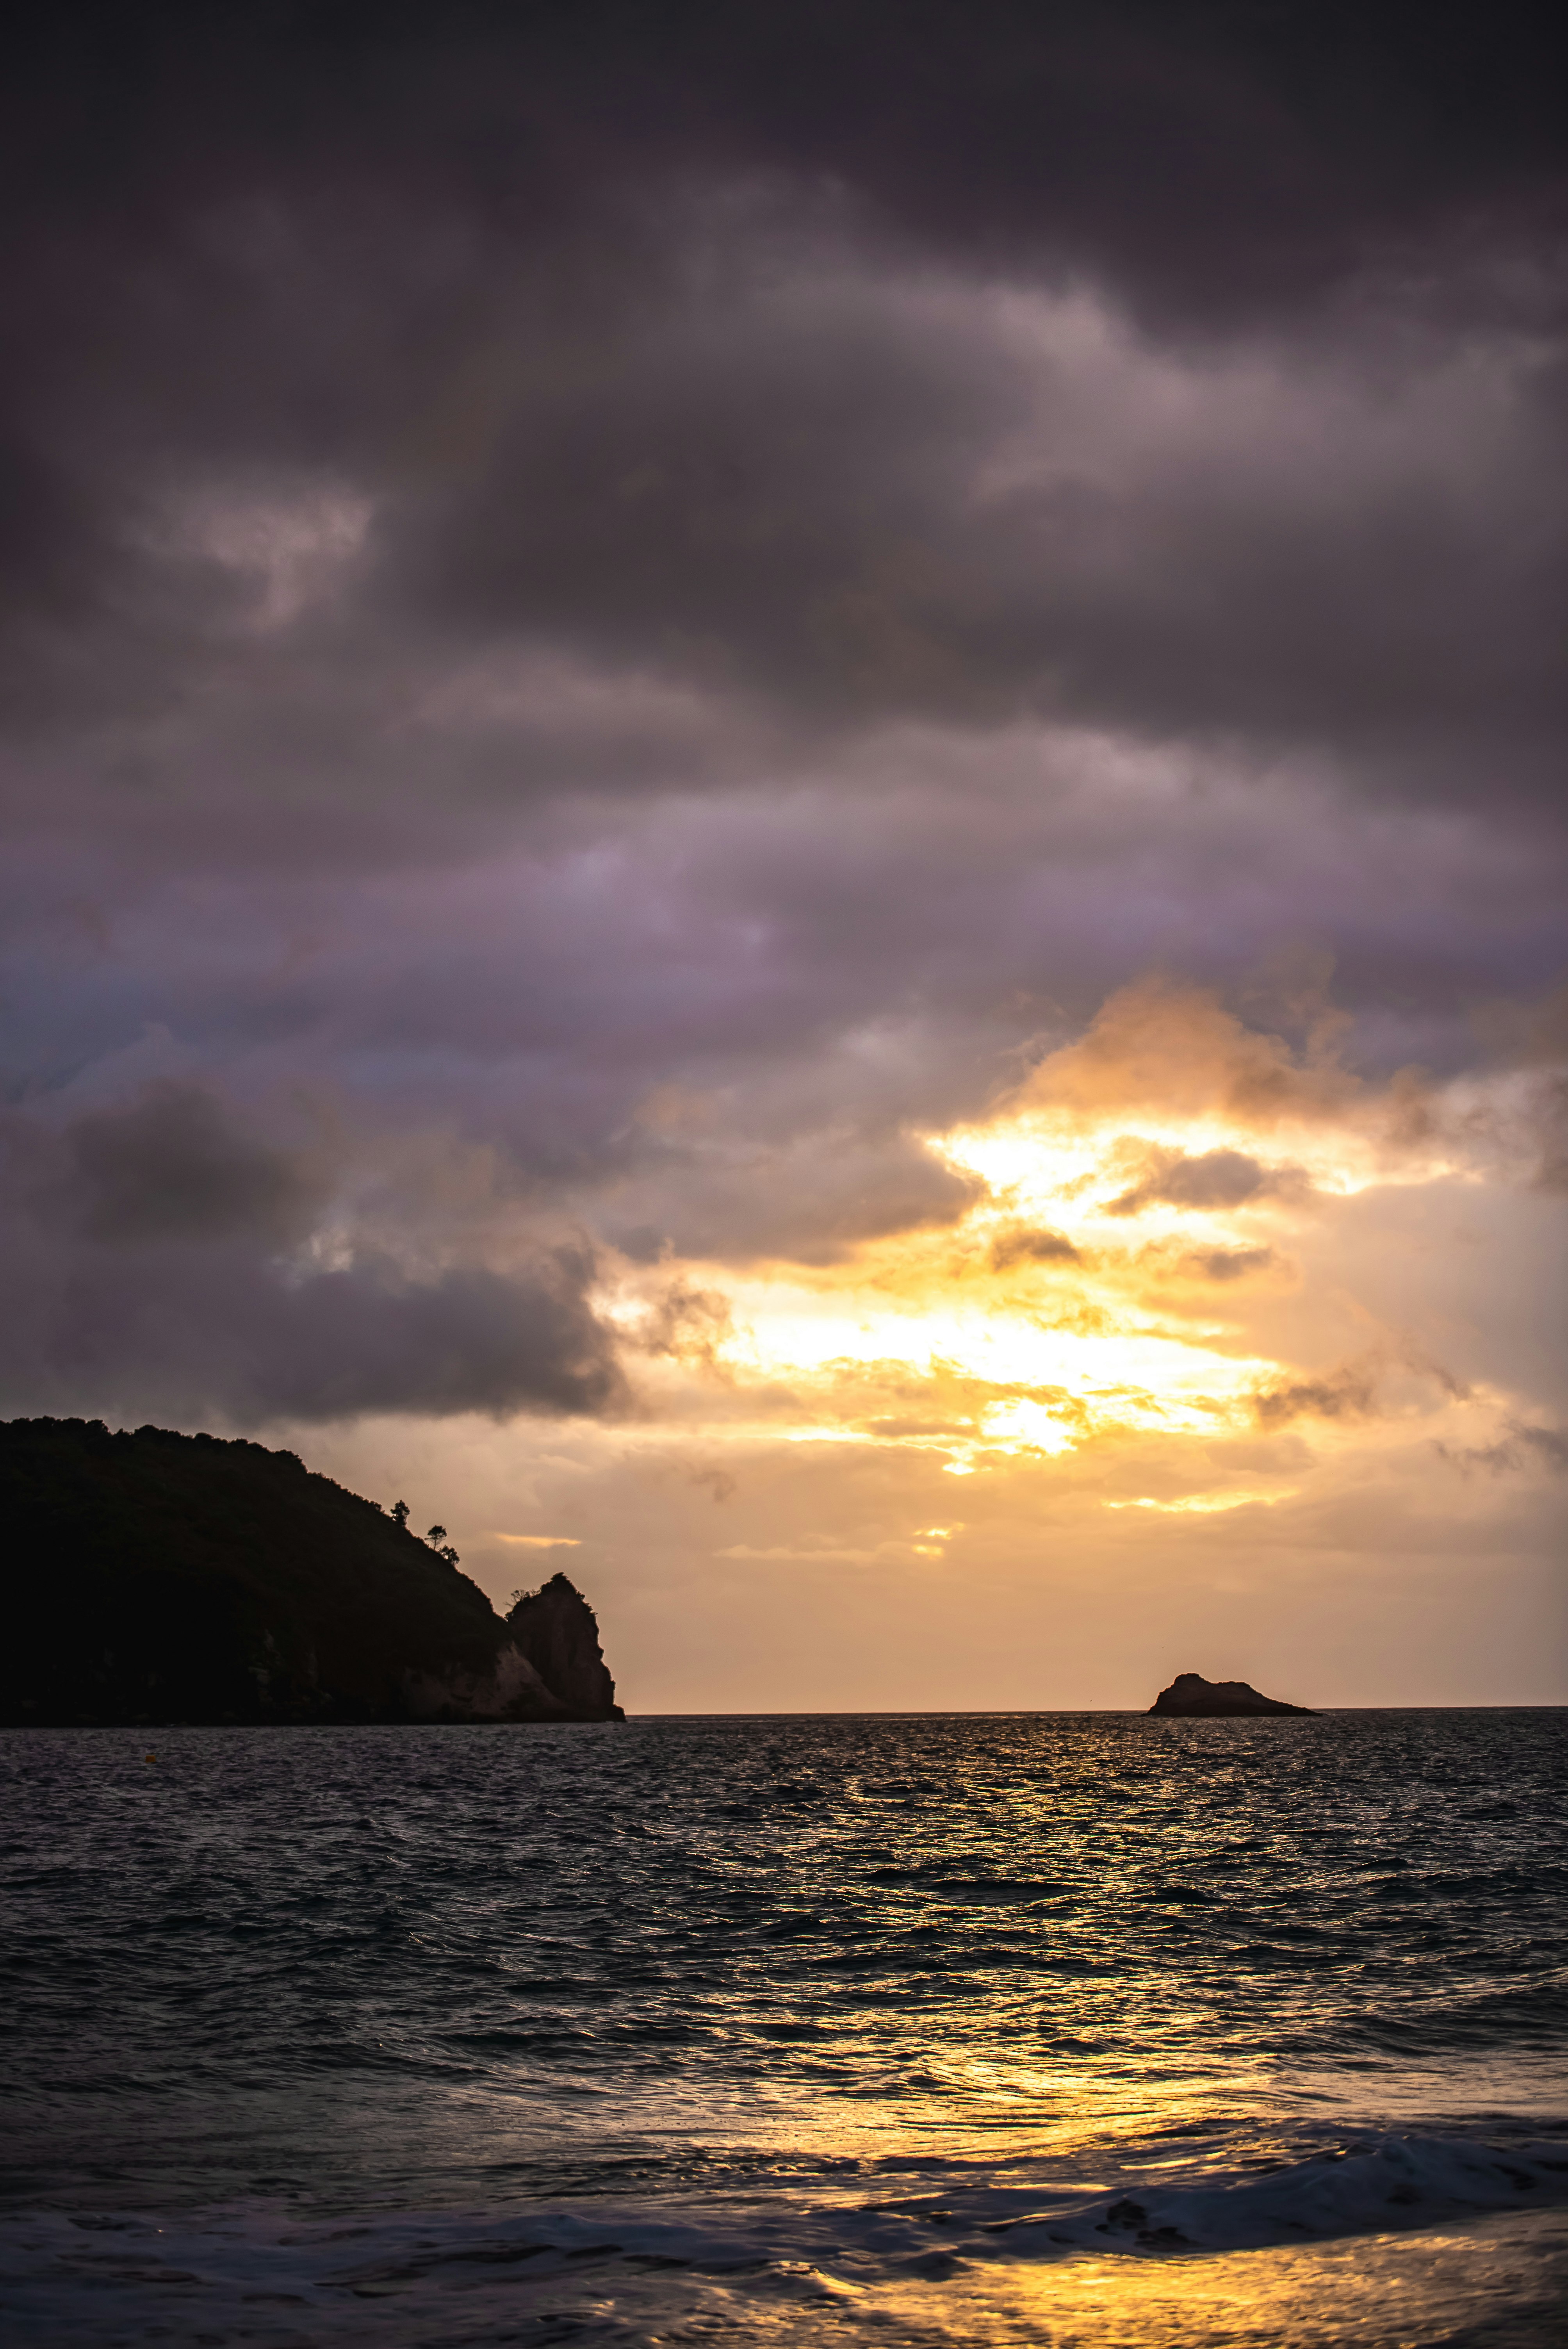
[(240, 1340), (1522, 1446), (1214, 1178), (716, 1480), (682, 1321), (157, 1251), (405, 458), (1349, 1394), (1229, 1264), (901, 1428), (838, 1173), (1162, 1044), (1029, 1247), (1549, 1443), (1355, 1390), (170, 1164), (800, 488), (820, 1554), (1216, 164)]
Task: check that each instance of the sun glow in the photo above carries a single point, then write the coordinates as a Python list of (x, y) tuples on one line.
[(1209, 1504), (921, 1341), (1034, 1162), (1123, 1272)]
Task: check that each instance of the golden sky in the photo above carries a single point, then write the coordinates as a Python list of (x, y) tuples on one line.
[(1223, 1362)]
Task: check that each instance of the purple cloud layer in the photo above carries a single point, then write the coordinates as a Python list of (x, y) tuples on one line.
[(595, 637)]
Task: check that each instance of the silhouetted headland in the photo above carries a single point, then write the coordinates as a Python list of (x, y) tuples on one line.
[(155, 1576), (1194, 1698)]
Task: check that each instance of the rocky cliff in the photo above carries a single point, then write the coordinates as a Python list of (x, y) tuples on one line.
[(1190, 1695), (558, 1632), (156, 1576)]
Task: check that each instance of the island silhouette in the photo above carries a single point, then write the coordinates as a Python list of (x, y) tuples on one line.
[(157, 1576), (1192, 1698)]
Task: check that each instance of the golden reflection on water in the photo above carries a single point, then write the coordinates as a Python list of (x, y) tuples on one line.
[(961, 2107), (1494, 2280), (1375, 2292)]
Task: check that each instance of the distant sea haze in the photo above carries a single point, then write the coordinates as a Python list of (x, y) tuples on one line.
[(1088, 2028)]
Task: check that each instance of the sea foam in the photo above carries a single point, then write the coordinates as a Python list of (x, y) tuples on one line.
[(618, 2270)]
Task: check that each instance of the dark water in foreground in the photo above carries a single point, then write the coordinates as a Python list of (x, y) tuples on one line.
[(1072, 2028)]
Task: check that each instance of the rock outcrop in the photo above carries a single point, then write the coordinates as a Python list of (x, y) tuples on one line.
[(558, 1632), (507, 1688), (1190, 1697), (168, 1577)]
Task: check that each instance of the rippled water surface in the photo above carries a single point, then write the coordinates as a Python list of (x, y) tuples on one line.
[(948, 2028)]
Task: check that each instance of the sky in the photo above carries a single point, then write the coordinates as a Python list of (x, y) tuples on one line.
[(784, 816)]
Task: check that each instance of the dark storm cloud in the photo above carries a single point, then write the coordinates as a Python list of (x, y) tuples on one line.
[(172, 1165), (859, 498), (683, 347), (810, 487), (144, 1256), (676, 596), (1212, 154)]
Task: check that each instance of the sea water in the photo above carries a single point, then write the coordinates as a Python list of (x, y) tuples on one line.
[(1090, 2029)]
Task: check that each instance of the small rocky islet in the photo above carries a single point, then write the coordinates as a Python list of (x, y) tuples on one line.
[(1190, 1697), (159, 1577)]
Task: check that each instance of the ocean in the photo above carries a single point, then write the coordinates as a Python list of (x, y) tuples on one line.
[(1064, 2028)]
